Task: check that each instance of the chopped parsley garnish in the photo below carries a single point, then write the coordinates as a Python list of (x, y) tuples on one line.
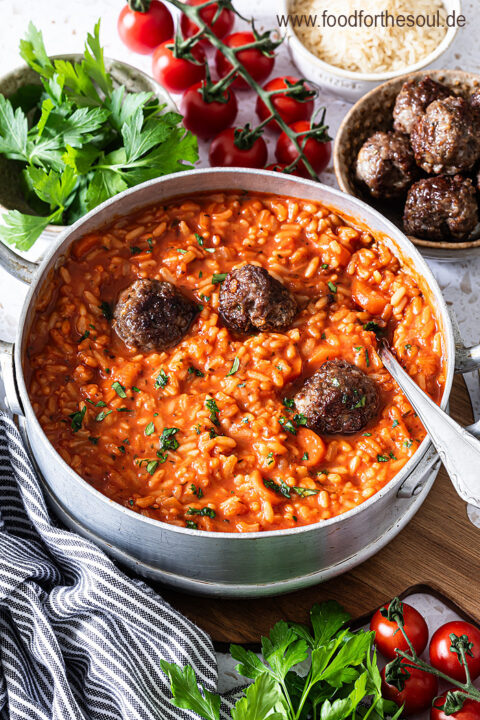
[(162, 380), (332, 287), (94, 440), (77, 418), (218, 278), (107, 311), (392, 455), (367, 358), (270, 458), (289, 403), (121, 448), (102, 415), (123, 409), (300, 419), (135, 389), (382, 458), (322, 472), (395, 423), (408, 347), (192, 370), (213, 407), (152, 466), (288, 425), (199, 239), (150, 429), (408, 443), (367, 434), (323, 336), (191, 525), (372, 326), (200, 307), (305, 456), (196, 491), (358, 348), (361, 402), (286, 490), (135, 250), (324, 266), (212, 433), (204, 512), (181, 251), (198, 429), (119, 389), (234, 368), (210, 250), (85, 335), (167, 439)]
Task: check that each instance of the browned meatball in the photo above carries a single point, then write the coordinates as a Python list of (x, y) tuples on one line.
[(386, 165), (441, 208), (153, 315), (413, 99), (474, 101), (338, 398), (445, 138), (251, 299)]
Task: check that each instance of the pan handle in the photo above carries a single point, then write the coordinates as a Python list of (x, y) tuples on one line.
[(7, 372), (16, 265)]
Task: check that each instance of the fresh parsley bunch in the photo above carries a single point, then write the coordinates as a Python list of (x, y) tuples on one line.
[(324, 673), (82, 140)]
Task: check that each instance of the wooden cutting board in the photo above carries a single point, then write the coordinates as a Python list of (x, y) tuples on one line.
[(439, 547)]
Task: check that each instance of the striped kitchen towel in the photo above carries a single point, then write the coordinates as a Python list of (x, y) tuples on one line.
[(79, 639)]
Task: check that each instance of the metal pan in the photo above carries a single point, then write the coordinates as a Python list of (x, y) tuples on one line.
[(212, 563)]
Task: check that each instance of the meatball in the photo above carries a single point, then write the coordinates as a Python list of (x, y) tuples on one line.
[(251, 299), (413, 99), (386, 164), (338, 398), (153, 315), (441, 208), (474, 101), (445, 139)]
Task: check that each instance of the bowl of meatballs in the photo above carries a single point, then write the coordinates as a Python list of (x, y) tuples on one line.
[(411, 149)]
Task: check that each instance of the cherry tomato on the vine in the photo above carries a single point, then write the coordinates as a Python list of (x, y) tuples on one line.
[(280, 167), (388, 636), (176, 74), (447, 660), (317, 152), (222, 25), (258, 64), (469, 711), (142, 32), (226, 150), (418, 693), (290, 109), (204, 118)]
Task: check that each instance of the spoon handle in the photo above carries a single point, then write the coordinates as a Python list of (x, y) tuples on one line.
[(458, 449)]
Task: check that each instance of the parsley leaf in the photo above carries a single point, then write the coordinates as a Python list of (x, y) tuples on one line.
[(234, 368), (187, 695), (77, 418), (119, 389)]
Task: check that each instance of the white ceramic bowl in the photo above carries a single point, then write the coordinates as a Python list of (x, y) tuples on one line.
[(352, 85)]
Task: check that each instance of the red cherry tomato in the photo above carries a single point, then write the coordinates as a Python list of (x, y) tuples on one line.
[(444, 659), (388, 637), (289, 109), (280, 167), (207, 119), (417, 695), (469, 711), (224, 152), (222, 25), (142, 32), (254, 61), (177, 74), (318, 153)]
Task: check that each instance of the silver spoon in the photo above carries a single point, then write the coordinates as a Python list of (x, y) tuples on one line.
[(458, 447)]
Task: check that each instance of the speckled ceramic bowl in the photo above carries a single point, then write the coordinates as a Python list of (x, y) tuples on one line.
[(374, 112), (134, 80)]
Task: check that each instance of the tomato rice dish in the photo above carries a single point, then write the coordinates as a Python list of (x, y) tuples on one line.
[(267, 406)]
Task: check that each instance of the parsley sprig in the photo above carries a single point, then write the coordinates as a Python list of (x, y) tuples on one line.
[(342, 679), (88, 142)]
